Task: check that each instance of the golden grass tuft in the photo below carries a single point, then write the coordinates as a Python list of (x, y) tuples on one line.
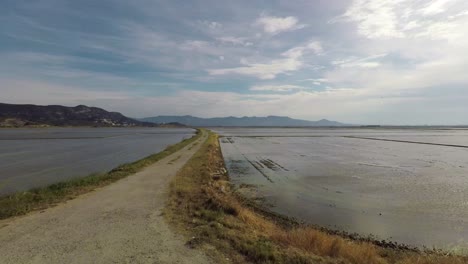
[(323, 244)]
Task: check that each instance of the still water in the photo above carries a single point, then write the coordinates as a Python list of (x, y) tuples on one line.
[(357, 181), (37, 157)]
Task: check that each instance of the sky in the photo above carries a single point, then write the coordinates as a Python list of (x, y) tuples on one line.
[(400, 62)]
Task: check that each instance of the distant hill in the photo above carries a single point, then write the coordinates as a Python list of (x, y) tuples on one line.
[(15, 115), (241, 121)]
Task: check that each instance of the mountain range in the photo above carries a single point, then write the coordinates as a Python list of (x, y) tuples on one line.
[(17, 115), (20, 115), (269, 121)]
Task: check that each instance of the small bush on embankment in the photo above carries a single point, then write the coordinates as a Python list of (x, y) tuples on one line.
[(40, 198), (204, 207)]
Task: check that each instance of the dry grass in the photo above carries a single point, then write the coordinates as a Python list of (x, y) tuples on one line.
[(323, 244), (204, 206)]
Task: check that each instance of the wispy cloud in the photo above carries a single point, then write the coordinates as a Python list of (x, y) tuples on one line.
[(403, 19), (435, 7), (367, 62), (235, 41), (276, 88), (274, 25), (212, 25), (291, 61)]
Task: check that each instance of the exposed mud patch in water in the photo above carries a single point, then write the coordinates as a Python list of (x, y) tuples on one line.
[(259, 167), (272, 165)]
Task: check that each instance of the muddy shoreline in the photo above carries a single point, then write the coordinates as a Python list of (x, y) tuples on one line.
[(291, 222)]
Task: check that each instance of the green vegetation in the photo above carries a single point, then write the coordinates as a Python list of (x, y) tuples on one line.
[(205, 207), (41, 198)]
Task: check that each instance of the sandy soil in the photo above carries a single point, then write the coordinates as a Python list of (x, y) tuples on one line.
[(119, 223)]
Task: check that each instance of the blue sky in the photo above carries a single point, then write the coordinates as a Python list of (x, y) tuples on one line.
[(360, 61)]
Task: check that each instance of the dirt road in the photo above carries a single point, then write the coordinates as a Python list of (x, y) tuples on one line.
[(119, 223)]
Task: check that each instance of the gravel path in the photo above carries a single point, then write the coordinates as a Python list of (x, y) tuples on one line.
[(119, 223)]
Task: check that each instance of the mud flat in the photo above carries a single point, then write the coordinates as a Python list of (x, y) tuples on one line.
[(397, 189)]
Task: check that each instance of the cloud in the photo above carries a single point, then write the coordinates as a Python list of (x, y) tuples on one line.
[(235, 41), (318, 80), (274, 25), (421, 45), (367, 62), (435, 7), (291, 61), (375, 18), (297, 52), (460, 14), (276, 88), (316, 46), (405, 19), (264, 71), (211, 25)]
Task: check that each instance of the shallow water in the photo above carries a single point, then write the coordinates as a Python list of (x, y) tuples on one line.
[(410, 193), (38, 157)]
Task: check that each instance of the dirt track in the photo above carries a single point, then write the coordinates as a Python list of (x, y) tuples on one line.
[(119, 223)]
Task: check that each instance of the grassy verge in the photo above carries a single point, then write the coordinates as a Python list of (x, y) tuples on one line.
[(41, 198), (205, 207)]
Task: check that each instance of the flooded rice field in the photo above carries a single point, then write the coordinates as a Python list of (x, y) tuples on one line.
[(407, 186), (37, 157)]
